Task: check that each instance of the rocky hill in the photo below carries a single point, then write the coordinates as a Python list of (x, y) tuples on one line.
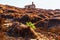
[(47, 22)]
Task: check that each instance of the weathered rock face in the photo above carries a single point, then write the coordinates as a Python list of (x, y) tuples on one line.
[(42, 18), (18, 31), (54, 23), (35, 19), (41, 24), (7, 17), (24, 19)]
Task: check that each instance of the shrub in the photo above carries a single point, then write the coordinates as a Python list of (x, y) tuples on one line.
[(30, 24)]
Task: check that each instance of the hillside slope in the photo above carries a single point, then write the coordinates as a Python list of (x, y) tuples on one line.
[(47, 22)]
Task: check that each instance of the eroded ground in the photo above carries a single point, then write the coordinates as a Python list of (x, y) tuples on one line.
[(13, 23)]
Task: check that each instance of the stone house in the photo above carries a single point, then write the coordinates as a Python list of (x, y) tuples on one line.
[(30, 6)]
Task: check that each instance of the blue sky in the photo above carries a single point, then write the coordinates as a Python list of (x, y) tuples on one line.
[(45, 4)]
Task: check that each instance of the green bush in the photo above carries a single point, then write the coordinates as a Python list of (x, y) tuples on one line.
[(30, 24)]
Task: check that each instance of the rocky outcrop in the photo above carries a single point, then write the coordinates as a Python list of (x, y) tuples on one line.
[(45, 20)]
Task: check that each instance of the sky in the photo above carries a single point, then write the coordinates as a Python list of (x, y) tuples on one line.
[(45, 4)]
